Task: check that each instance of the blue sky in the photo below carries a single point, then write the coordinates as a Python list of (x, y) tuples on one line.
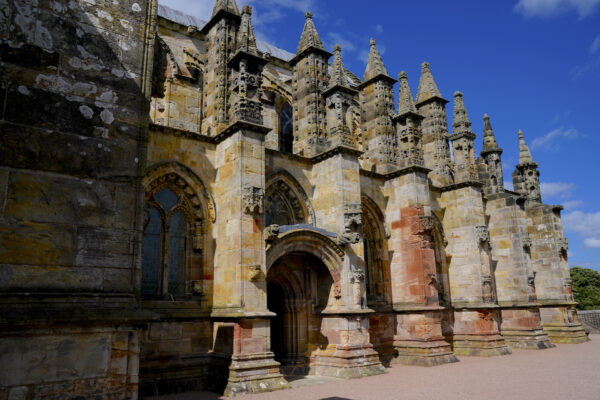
[(530, 64)]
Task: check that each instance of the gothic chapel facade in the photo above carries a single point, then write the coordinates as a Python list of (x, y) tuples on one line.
[(292, 219)]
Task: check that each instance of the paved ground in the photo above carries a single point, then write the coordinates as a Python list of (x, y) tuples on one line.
[(565, 372)]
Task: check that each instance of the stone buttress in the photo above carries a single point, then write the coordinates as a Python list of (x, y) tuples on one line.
[(548, 255), (337, 202), (418, 338), (472, 287), (511, 253), (239, 266)]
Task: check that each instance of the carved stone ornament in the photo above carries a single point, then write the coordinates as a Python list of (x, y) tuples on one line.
[(348, 238), (527, 242), (253, 272), (422, 225), (562, 244), (197, 288), (253, 198), (271, 232), (337, 290), (352, 216), (482, 234), (357, 277), (531, 280)]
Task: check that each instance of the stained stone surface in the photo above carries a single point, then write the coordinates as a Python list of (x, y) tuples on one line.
[(313, 227)]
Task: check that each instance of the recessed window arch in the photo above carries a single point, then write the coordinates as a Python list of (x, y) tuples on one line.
[(286, 128), (166, 245)]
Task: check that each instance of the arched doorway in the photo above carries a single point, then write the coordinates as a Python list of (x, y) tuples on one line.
[(299, 287)]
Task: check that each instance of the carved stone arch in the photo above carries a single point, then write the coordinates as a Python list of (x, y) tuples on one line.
[(375, 249), (181, 179), (271, 84), (285, 192), (311, 242), (441, 260)]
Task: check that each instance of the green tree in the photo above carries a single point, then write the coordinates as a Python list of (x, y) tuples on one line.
[(586, 288)]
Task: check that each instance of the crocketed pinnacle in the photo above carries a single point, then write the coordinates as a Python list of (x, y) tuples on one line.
[(405, 99), (310, 37), (337, 75), (524, 153), (247, 41), (427, 87), (461, 124), (227, 5), (489, 138), (375, 66)]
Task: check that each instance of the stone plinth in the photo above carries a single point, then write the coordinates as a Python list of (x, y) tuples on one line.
[(476, 333), (348, 353), (522, 329), (562, 326)]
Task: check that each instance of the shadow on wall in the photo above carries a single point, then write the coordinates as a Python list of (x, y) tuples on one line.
[(73, 122)]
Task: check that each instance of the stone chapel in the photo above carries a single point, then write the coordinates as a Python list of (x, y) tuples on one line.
[(184, 207)]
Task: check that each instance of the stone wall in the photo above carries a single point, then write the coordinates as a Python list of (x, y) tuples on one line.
[(73, 126)]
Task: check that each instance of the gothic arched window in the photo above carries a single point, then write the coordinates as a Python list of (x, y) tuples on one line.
[(165, 246), (286, 129)]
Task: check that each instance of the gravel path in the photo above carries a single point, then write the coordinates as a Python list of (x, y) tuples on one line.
[(565, 372)]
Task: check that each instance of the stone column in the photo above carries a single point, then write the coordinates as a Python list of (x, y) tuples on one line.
[(476, 313), (521, 324), (549, 259), (418, 339), (337, 203), (239, 269)]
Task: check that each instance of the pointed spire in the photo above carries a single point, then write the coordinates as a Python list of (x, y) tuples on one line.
[(310, 37), (225, 5), (427, 87), (338, 76), (489, 138), (461, 123), (524, 153), (405, 98), (375, 66), (247, 41)]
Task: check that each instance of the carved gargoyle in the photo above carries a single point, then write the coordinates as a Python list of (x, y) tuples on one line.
[(348, 238), (482, 234), (271, 232)]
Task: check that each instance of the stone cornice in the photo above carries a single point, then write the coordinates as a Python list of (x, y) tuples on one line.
[(461, 185)]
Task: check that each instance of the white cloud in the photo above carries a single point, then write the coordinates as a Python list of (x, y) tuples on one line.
[(595, 46), (572, 204), (379, 28), (551, 8), (508, 184), (592, 243), (579, 71), (559, 190), (198, 9), (333, 38), (547, 141), (586, 224)]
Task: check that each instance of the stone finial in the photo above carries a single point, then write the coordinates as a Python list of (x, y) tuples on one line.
[(427, 87), (310, 37), (338, 76), (461, 123), (226, 5), (524, 153), (405, 98), (489, 138), (375, 66), (247, 40)]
